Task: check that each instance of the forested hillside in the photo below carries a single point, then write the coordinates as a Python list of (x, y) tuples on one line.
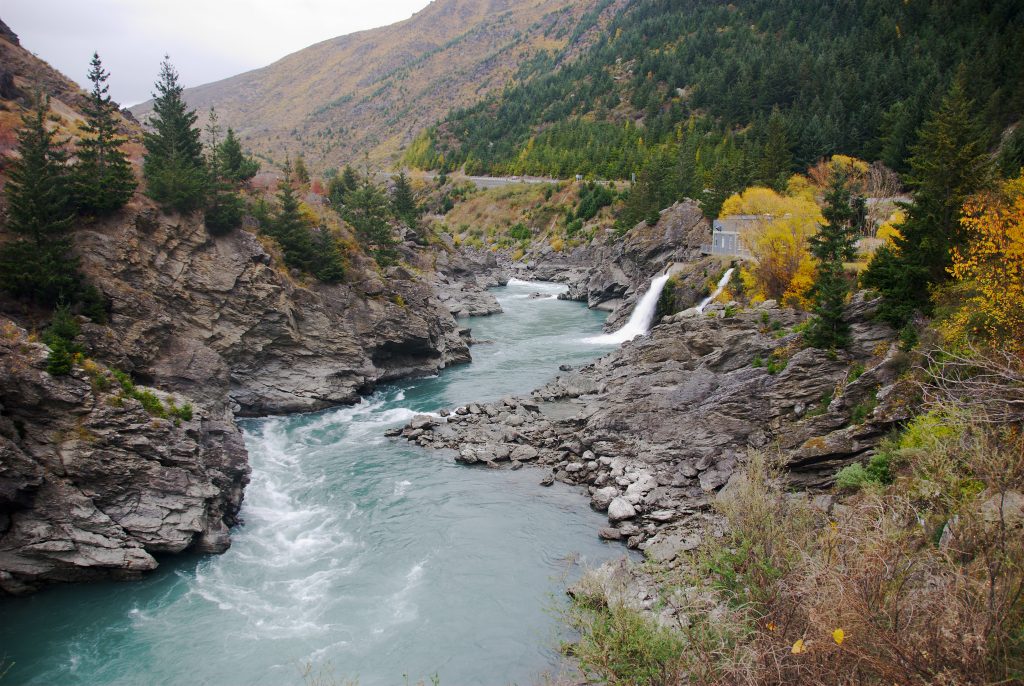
[(744, 93)]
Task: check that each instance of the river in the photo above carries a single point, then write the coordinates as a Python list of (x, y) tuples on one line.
[(363, 558)]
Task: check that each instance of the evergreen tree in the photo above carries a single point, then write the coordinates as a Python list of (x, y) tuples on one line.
[(103, 179), (834, 244), (949, 162), (776, 161), (289, 227), (301, 173), (403, 201), (37, 265), (224, 207), (366, 209), (236, 165), (174, 167), (316, 251)]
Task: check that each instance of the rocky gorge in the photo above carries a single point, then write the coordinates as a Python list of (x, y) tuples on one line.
[(216, 323), (656, 430)]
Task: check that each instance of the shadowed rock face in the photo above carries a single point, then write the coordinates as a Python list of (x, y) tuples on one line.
[(657, 428), (214, 319), (92, 485)]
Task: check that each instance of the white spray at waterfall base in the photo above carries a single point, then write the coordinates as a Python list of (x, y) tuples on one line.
[(640, 321)]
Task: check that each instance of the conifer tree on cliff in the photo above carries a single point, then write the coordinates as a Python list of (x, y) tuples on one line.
[(223, 208), (236, 165), (949, 162), (103, 180), (174, 167), (834, 244), (37, 264), (403, 201)]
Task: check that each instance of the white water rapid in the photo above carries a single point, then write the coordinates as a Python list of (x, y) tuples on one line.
[(721, 285), (640, 321)]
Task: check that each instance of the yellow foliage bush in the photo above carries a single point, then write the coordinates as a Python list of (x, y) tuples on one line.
[(781, 249), (798, 293), (992, 265), (557, 244), (784, 269), (856, 171), (308, 214), (889, 231)]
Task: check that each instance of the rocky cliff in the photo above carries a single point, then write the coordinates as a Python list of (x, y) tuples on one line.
[(221, 320), (656, 428), (93, 484)]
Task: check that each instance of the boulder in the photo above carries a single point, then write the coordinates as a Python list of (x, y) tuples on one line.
[(620, 509)]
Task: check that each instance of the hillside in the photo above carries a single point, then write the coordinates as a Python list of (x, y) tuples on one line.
[(746, 93), (373, 91)]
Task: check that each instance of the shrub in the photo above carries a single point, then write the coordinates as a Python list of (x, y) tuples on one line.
[(863, 410), (855, 476), (856, 371), (619, 645), (59, 362), (520, 232)]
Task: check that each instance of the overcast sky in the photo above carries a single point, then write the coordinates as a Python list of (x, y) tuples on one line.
[(206, 39)]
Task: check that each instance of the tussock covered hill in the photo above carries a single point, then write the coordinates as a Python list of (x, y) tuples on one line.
[(374, 90)]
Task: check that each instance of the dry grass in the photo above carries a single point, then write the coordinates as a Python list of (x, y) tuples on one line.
[(917, 582)]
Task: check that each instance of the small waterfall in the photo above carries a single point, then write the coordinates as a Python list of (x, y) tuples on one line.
[(721, 286), (640, 321)]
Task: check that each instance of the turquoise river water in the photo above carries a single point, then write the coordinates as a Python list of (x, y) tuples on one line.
[(363, 558)]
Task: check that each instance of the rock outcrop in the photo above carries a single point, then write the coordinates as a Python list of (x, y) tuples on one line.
[(92, 485), (657, 428), (219, 320)]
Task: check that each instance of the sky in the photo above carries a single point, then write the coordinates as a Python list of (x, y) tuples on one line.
[(207, 40)]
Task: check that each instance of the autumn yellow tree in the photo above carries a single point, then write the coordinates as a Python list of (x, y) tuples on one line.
[(991, 266), (784, 268)]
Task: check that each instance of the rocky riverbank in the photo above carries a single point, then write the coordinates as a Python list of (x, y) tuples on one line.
[(654, 430), (93, 483)]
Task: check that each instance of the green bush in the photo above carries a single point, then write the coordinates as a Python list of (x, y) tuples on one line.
[(127, 385), (151, 403), (520, 232), (879, 470), (863, 409), (619, 645), (856, 371)]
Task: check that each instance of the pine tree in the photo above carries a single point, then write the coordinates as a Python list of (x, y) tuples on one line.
[(237, 166), (949, 163), (224, 207), (776, 160), (174, 167), (289, 228), (834, 244), (366, 209), (403, 201), (301, 173), (37, 265), (103, 179)]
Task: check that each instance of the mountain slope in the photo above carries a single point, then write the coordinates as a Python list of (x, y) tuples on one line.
[(855, 77), (372, 91)]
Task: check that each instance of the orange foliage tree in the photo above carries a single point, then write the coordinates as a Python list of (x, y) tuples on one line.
[(991, 264)]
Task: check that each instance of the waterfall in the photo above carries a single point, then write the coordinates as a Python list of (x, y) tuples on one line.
[(640, 321), (721, 285)]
